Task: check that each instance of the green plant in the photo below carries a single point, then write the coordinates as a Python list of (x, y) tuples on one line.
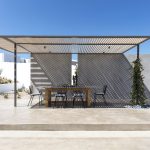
[(18, 94), (1, 70), (27, 91), (5, 80), (20, 90), (6, 96), (137, 93)]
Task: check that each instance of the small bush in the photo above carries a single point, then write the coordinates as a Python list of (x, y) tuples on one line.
[(18, 96), (6, 96), (5, 80), (27, 91), (20, 90)]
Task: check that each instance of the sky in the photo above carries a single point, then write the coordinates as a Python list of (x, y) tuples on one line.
[(76, 17)]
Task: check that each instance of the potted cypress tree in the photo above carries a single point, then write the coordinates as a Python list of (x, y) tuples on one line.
[(138, 90)]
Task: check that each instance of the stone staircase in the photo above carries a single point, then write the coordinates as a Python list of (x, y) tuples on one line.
[(38, 76)]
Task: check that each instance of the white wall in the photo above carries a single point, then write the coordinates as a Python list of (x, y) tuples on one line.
[(145, 60), (23, 72)]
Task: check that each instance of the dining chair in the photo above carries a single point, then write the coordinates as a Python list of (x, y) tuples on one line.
[(32, 95), (103, 93), (61, 95), (78, 95)]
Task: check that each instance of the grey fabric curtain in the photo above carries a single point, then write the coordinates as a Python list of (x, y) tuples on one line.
[(114, 70), (57, 67)]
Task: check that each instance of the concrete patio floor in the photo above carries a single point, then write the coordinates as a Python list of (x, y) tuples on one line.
[(72, 118), (75, 140), (24, 128)]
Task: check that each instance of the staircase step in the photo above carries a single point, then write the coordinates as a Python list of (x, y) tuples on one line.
[(77, 127), (42, 83), (36, 68), (39, 78)]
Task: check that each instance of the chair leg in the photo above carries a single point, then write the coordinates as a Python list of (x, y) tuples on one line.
[(94, 102), (29, 101), (82, 102), (32, 100), (55, 102), (65, 101), (39, 100), (104, 99), (73, 101)]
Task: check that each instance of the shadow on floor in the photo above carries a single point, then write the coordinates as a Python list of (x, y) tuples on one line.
[(78, 104)]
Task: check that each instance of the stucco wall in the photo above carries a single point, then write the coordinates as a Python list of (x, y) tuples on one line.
[(23, 72), (145, 60)]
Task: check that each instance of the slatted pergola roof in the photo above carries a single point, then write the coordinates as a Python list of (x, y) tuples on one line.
[(71, 44)]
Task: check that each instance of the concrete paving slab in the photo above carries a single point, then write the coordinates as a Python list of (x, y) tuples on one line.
[(113, 119), (75, 144), (74, 140)]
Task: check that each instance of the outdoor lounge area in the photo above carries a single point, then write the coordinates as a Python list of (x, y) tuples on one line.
[(103, 78)]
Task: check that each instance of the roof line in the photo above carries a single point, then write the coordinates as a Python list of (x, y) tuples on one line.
[(136, 45), (6, 50), (72, 36), (16, 43), (76, 44)]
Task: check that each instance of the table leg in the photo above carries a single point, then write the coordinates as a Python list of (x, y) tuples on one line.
[(48, 98), (88, 98)]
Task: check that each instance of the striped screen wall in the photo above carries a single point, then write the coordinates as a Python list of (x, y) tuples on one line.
[(113, 70), (55, 67)]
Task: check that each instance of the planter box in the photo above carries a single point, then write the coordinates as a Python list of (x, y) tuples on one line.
[(6, 88)]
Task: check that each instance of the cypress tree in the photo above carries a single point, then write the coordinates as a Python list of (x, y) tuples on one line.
[(138, 90)]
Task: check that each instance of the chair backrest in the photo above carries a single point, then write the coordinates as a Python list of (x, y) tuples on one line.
[(104, 89), (61, 92), (77, 91), (65, 85), (30, 89), (40, 90)]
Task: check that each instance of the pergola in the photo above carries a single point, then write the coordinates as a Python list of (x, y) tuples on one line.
[(68, 44)]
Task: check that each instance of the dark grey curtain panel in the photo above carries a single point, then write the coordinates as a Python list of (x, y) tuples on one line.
[(114, 70), (56, 67)]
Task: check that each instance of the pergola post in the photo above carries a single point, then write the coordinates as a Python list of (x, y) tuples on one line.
[(15, 75), (138, 51)]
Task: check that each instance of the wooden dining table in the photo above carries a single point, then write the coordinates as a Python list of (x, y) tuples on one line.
[(50, 90)]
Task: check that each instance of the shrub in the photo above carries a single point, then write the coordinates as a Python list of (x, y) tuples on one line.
[(138, 93), (6, 96), (20, 90), (5, 80), (18, 96)]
